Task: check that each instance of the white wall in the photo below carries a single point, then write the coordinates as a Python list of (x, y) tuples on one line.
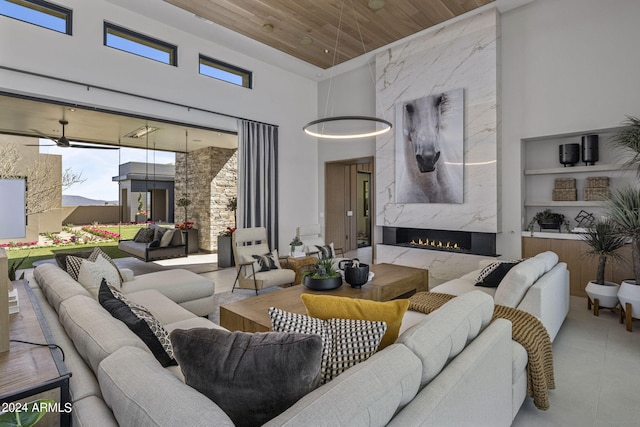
[(352, 93), (278, 97), (567, 66)]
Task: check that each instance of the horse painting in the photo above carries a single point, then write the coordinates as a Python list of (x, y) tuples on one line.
[(430, 149)]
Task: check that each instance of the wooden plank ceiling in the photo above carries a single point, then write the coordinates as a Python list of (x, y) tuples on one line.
[(308, 29)]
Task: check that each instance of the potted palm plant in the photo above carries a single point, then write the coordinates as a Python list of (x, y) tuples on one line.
[(624, 210), (604, 241)]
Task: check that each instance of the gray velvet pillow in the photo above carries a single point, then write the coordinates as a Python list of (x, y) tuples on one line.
[(251, 377)]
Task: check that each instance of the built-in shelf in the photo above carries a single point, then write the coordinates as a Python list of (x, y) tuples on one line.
[(552, 235), (565, 204), (575, 169), (542, 168)]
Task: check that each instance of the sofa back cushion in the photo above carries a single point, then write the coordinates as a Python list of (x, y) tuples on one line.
[(142, 393), (446, 331), (369, 394), (549, 258), (93, 331), (518, 280), (56, 285)]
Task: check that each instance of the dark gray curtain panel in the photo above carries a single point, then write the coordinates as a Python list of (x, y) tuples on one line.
[(258, 178)]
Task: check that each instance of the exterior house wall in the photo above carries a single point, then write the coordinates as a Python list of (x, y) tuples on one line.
[(209, 179), (278, 96), (44, 222)]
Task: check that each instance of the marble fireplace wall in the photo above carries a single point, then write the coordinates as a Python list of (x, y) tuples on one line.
[(460, 55)]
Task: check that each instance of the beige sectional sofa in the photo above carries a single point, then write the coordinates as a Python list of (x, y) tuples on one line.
[(539, 286), (451, 367)]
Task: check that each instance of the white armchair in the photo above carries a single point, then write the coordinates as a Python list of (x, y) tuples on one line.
[(312, 240), (250, 244)]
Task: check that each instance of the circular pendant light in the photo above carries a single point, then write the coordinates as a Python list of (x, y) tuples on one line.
[(347, 127)]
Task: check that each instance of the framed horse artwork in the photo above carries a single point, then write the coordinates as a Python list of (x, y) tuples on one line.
[(430, 149)]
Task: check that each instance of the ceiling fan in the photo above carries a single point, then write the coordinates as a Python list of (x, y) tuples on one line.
[(63, 142)]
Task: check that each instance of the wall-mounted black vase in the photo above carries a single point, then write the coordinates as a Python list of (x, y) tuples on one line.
[(590, 149), (569, 154)]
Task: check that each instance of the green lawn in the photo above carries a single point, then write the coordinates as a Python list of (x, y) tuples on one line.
[(45, 252)]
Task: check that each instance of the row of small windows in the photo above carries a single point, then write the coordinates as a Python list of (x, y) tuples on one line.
[(57, 18)]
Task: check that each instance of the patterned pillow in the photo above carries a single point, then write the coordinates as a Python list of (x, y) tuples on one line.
[(140, 321), (248, 272), (492, 275), (326, 251), (97, 251), (144, 235), (329, 306), (266, 261), (345, 342), (91, 273)]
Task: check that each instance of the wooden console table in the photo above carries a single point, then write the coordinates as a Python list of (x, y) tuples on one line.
[(30, 372), (390, 282)]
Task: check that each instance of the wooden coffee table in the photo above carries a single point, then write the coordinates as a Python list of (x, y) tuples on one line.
[(390, 282)]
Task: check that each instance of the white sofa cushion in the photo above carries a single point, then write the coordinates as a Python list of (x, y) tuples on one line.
[(549, 258), (94, 333), (446, 332), (369, 394), (178, 285), (463, 285), (517, 281), (56, 284), (142, 393)]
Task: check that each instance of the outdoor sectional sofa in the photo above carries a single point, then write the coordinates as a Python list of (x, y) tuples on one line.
[(452, 367), (178, 247)]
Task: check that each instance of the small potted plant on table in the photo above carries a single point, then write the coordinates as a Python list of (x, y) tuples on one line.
[(296, 247), (324, 277)]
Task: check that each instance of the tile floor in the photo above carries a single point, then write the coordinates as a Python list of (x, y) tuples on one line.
[(597, 371)]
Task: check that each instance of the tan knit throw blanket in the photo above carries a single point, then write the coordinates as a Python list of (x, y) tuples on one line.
[(526, 330)]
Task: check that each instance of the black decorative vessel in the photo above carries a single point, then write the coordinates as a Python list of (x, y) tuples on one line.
[(589, 149), (355, 273), (569, 154), (323, 284)]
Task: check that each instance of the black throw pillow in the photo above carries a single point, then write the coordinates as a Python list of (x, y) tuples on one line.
[(154, 244), (251, 377), (492, 275), (120, 310)]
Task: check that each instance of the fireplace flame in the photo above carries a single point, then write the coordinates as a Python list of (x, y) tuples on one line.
[(435, 244)]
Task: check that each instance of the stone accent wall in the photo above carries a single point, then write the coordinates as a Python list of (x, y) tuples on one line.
[(211, 182)]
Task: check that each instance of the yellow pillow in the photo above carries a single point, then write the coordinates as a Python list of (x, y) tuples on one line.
[(327, 307)]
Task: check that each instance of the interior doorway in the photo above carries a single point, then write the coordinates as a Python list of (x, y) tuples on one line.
[(349, 190)]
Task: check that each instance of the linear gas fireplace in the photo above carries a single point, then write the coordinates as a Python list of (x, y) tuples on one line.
[(465, 242)]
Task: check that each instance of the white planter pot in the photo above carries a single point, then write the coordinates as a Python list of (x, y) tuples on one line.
[(630, 293), (607, 294)]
